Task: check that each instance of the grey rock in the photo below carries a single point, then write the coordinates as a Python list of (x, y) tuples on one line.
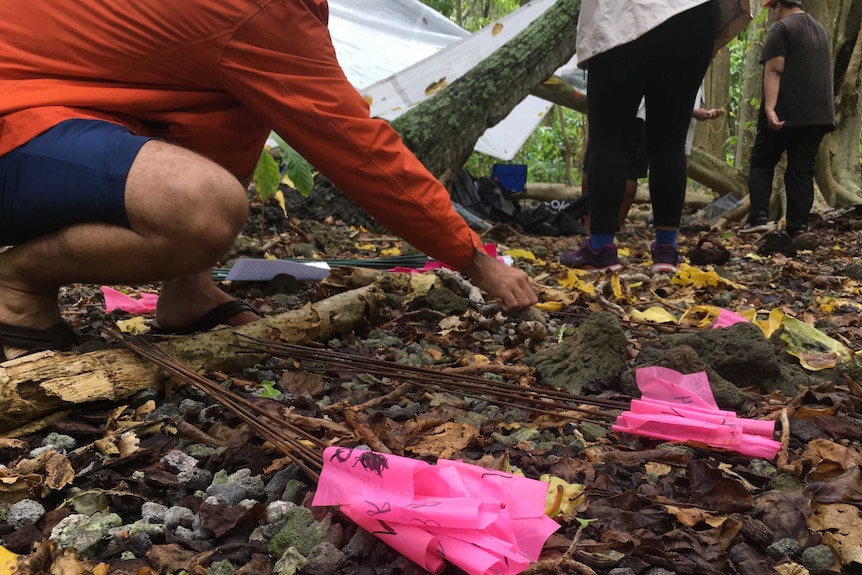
[(818, 557), (176, 516), (176, 461), (782, 548), (194, 479), (140, 544), (227, 493), (275, 487), (253, 484), (659, 571), (60, 441), (34, 453), (201, 452), (25, 512), (152, 512), (290, 563), (292, 489), (191, 407), (221, 568), (360, 545), (184, 533), (621, 571), (325, 554), (278, 510), (82, 532)]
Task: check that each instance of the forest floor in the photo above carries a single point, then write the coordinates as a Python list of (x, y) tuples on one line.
[(201, 493)]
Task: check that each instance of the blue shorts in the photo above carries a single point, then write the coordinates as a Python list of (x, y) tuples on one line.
[(73, 173)]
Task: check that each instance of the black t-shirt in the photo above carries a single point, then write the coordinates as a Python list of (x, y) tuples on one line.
[(806, 96)]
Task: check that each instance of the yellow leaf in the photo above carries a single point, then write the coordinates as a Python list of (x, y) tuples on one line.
[(815, 349), (422, 283), (390, 252), (617, 287), (366, 247), (133, 325), (701, 316), (624, 252), (573, 281), (549, 305), (279, 197), (691, 276), (522, 254), (772, 323), (8, 561), (563, 497), (654, 314)]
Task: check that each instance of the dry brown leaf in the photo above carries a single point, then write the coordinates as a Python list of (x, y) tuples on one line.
[(18, 444), (14, 487), (107, 447), (445, 440), (60, 472), (142, 411), (841, 526), (829, 459), (791, 569), (128, 443)]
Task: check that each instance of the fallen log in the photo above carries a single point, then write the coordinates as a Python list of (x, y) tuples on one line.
[(35, 386)]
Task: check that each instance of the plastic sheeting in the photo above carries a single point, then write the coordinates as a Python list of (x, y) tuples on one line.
[(394, 51)]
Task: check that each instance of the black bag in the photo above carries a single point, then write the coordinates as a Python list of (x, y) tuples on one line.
[(486, 198), (555, 218)]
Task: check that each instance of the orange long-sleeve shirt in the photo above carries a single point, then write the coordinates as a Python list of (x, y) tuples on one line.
[(214, 76)]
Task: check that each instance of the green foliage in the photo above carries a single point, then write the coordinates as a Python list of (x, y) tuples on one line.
[(543, 152), (297, 172), (296, 168), (266, 176)]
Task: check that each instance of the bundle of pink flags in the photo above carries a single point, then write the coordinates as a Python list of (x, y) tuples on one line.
[(486, 522), (681, 407)]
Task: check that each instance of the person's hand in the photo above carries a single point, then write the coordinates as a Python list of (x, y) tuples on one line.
[(701, 114), (773, 121), (509, 284)]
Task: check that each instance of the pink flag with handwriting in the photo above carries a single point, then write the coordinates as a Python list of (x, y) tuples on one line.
[(114, 299), (486, 522), (680, 407)]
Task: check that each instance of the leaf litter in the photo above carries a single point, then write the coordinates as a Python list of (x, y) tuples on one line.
[(622, 502)]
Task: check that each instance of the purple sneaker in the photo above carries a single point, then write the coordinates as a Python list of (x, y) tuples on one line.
[(665, 258), (587, 259)]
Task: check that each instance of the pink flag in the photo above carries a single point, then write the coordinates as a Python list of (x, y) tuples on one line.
[(484, 521), (118, 300), (681, 407), (727, 318)]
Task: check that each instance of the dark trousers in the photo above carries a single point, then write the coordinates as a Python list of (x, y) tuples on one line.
[(666, 66), (801, 144)]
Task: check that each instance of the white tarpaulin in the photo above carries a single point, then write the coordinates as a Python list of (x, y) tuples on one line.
[(396, 51)]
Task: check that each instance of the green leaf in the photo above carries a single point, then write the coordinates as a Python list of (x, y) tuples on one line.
[(266, 176), (296, 168), (269, 390)]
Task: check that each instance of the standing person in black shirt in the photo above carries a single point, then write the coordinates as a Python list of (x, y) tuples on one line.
[(797, 110)]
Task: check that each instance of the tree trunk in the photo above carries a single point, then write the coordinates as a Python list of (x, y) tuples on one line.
[(443, 130), (711, 136), (838, 172), (749, 99)]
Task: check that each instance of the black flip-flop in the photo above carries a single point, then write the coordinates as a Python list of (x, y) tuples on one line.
[(59, 337), (214, 317)]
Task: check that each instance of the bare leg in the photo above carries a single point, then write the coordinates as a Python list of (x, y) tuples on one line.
[(185, 212)]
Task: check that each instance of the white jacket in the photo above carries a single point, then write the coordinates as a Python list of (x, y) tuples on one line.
[(606, 24)]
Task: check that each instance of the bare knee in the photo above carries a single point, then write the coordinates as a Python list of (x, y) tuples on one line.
[(185, 203)]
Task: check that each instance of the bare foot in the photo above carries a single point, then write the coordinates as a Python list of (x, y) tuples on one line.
[(23, 309)]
